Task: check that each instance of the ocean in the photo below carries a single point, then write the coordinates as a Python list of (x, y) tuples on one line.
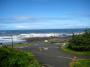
[(5, 35), (17, 32)]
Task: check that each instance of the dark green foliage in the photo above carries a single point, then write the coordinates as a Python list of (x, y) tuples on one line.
[(14, 58), (80, 42)]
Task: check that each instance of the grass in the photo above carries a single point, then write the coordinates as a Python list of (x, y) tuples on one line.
[(66, 49), (15, 58), (76, 52), (19, 45), (80, 63)]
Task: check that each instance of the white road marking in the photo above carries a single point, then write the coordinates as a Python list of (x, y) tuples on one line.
[(48, 47), (64, 57), (45, 48)]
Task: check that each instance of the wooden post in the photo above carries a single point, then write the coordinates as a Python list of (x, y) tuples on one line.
[(12, 40)]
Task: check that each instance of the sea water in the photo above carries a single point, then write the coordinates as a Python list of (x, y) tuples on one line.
[(5, 35)]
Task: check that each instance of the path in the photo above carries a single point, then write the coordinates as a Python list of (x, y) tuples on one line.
[(50, 55)]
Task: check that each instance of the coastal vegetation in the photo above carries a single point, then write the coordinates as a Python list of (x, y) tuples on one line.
[(17, 45), (21, 45), (80, 63), (82, 53), (16, 58), (80, 42)]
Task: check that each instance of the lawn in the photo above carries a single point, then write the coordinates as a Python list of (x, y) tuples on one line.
[(80, 63)]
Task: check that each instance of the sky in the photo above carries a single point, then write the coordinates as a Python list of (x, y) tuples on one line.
[(44, 14)]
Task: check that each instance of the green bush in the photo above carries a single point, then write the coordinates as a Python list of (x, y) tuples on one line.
[(14, 58), (80, 42)]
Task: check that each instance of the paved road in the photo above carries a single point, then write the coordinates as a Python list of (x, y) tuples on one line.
[(50, 55)]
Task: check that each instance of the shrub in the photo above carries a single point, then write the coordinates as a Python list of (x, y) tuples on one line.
[(80, 42), (14, 58)]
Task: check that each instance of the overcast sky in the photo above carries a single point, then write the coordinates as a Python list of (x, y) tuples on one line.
[(44, 14)]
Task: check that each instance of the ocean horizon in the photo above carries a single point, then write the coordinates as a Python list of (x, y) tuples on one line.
[(5, 35), (17, 32)]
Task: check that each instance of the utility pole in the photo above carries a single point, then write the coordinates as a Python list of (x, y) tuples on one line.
[(12, 40)]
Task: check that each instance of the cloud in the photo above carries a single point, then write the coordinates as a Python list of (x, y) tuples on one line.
[(22, 17), (41, 26), (21, 27), (29, 22)]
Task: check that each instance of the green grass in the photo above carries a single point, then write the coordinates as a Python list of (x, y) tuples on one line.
[(76, 52), (80, 63), (19, 45), (15, 58)]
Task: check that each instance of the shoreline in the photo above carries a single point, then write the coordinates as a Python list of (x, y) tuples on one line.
[(21, 37)]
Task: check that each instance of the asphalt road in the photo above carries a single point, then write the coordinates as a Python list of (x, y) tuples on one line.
[(51, 55)]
